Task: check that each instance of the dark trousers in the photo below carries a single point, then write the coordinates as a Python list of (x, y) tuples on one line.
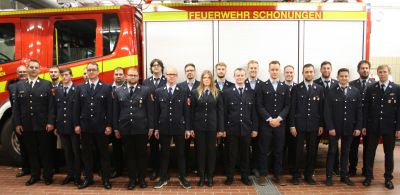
[(336, 161), (278, 139), (165, 142), (54, 152), (187, 151), (233, 144), (311, 149), (205, 150), (255, 153), (39, 148), (154, 153), (135, 149), (102, 141), (353, 156), (72, 152), (118, 153), (222, 151), (25, 164), (344, 154), (289, 148), (388, 149)]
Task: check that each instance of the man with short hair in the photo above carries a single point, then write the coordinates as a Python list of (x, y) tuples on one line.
[(327, 82), (363, 69), (190, 84), (306, 122), (381, 118), (157, 80), (241, 124), (34, 117), (273, 105), (54, 73), (172, 116), (92, 119), (85, 76), (70, 141), (343, 119), (133, 120), (252, 82), (221, 83), (12, 85)]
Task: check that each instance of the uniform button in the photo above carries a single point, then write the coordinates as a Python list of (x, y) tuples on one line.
[(30, 96), (131, 106), (276, 94), (170, 114), (381, 105), (206, 108), (170, 108), (65, 108), (240, 120), (308, 114), (381, 111), (65, 102), (91, 109), (31, 108), (275, 100), (31, 113), (344, 118), (65, 121), (275, 105), (382, 99), (65, 114), (345, 107), (381, 118), (309, 98), (241, 102), (91, 104), (205, 114), (206, 104), (170, 102), (308, 109), (241, 109), (308, 104), (170, 119), (345, 101), (91, 98), (91, 115), (275, 110), (240, 114), (131, 119), (205, 119), (131, 113), (30, 102), (344, 112)]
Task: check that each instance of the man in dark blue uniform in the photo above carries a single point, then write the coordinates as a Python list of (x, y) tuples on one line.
[(190, 84), (65, 99), (133, 120), (157, 80), (273, 105), (343, 119), (327, 82), (12, 86), (172, 116), (241, 124), (361, 84), (93, 121), (34, 117), (306, 122), (381, 118)]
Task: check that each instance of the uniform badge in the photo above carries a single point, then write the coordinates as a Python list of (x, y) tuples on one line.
[(140, 105), (21, 92), (318, 99), (188, 101), (394, 101), (52, 91), (315, 87), (140, 101), (301, 86), (389, 101), (390, 86), (391, 94), (152, 97), (314, 98)]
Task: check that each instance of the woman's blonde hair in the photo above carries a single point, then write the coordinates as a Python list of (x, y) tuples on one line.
[(213, 90)]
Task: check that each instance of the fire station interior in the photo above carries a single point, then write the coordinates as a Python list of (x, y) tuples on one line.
[(205, 42)]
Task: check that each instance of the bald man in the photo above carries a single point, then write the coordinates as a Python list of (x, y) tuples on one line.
[(172, 116)]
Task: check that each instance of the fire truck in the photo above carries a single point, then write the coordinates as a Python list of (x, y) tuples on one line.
[(71, 37)]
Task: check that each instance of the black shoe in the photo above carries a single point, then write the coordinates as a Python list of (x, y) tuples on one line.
[(115, 174), (328, 181), (160, 183), (309, 180), (31, 181), (77, 181), (67, 180), (142, 183), (336, 172), (389, 185), (107, 184), (85, 184), (256, 173), (168, 177), (201, 181), (295, 180), (184, 183), (229, 181), (48, 181), (351, 173), (132, 184), (153, 175), (246, 181), (210, 181), (23, 173), (367, 182), (100, 174), (346, 180)]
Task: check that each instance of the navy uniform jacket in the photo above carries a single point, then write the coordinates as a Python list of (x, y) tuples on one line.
[(149, 82), (240, 113), (333, 83), (59, 85), (357, 84), (34, 109), (382, 111), (306, 113), (247, 84), (186, 87), (207, 113), (271, 103), (343, 113), (93, 112), (64, 110), (172, 115), (227, 85), (12, 86), (133, 115)]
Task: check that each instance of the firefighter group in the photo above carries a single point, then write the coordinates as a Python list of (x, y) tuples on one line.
[(242, 121)]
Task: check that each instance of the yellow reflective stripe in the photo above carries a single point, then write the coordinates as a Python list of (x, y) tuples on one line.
[(124, 62), (58, 10), (165, 15), (3, 86), (328, 15), (251, 4)]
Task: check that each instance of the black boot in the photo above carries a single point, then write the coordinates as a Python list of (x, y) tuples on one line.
[(201, 182), (210, 177)]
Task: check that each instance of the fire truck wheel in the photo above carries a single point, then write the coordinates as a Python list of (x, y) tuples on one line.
[(10, 143)]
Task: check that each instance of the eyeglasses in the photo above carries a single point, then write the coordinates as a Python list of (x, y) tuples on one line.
[(133, 75), (189, 70), (156, 65), (21, 72), (91, 70), (34, 67), (171, 75)]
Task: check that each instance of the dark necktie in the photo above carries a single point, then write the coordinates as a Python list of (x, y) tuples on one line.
[(65, 91), (241, 91), (290, 87), (383, 88), (344, 90), (156, 83), (114, 88), (206, 93), (170, 92), (92, 88), (31, 85), (363, 85), (131, 91), (327, 85), (309, 90)]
